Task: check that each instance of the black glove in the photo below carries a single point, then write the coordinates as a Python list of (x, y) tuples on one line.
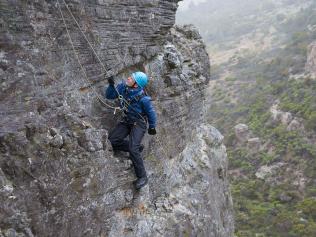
[(111, 80), (152, 131)]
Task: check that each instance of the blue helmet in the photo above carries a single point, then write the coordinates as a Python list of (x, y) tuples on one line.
[(140, 78)]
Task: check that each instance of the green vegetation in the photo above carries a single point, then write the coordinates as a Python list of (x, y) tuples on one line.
[(279, 206), (298, 97)]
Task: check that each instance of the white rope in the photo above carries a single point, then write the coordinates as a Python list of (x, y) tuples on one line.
[(73, 17)]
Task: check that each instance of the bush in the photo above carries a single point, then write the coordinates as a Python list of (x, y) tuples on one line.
[(311, 121), (308, 206)]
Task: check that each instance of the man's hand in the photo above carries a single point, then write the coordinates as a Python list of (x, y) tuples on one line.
[(152, 131), (111, 80)]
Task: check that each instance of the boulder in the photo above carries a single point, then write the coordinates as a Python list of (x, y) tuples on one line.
[(266, 171), (254, 144), (92, 139), (172, 56), (56, 141), (286, 118), (294, 125), (242, 132)]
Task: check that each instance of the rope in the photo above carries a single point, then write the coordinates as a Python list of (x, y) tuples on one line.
[(84, 36), (120, 97), (92, 48), (82, 69)]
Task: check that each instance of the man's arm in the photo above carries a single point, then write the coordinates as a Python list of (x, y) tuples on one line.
[(111, 93)]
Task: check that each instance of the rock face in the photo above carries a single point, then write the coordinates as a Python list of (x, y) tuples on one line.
[(58, 175), (310, 66)]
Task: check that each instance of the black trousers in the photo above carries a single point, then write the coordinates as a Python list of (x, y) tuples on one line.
[(136, 132)]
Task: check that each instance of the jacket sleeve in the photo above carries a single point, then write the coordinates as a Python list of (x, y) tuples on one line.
[(110, 92), (149, 111)]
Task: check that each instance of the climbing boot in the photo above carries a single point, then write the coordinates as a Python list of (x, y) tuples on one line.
[(141, 182)]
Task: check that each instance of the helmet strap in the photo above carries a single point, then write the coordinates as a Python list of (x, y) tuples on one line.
[(133, 86)]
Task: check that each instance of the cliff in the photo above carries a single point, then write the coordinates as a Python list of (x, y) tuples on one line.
[(58, 175), (310, 67)]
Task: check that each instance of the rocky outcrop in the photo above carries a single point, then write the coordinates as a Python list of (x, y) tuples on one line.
[(286, 118), (243, 137), (242, 132), (310, 66), (188, 204), (266, 171), (58, 175)]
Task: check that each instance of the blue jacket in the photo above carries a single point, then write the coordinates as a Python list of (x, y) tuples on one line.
[(139, 103)]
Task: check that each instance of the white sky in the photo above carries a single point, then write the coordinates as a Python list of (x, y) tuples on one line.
[(185, 3)]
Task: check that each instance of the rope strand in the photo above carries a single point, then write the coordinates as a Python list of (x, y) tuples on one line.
[(73, 17), (81, 67)]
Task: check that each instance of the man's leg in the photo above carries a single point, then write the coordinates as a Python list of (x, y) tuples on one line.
[(135, 138), (117, 136)]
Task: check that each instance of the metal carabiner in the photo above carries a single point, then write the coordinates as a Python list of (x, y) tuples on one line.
[(116, 108)]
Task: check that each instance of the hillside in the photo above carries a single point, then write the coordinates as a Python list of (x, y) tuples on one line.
[(59, 175), (262, 98)]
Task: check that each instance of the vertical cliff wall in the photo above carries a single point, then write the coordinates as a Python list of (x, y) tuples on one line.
[(311, 60), (58, 175)]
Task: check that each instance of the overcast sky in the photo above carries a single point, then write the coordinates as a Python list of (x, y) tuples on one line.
[(185, 3)]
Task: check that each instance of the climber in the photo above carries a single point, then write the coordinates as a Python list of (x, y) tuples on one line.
[(138, 109)]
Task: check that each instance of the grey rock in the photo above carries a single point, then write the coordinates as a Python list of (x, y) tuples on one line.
[(3, 180), (53, 131), (56, 141), (286, 118), (242, 132), (254, 144), (11, 233), (304, 221), (190, 32), (129, 195), (267, 171), (310, 66), (280, 116), (172, 56), (283, 197), (295, 126), (92, 139)]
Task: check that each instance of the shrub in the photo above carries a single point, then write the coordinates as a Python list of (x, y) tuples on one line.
[(311, 121)]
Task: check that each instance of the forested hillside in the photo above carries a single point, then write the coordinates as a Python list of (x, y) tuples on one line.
[(263, 99)]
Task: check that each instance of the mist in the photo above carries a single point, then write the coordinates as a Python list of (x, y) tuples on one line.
[(185, 4)]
